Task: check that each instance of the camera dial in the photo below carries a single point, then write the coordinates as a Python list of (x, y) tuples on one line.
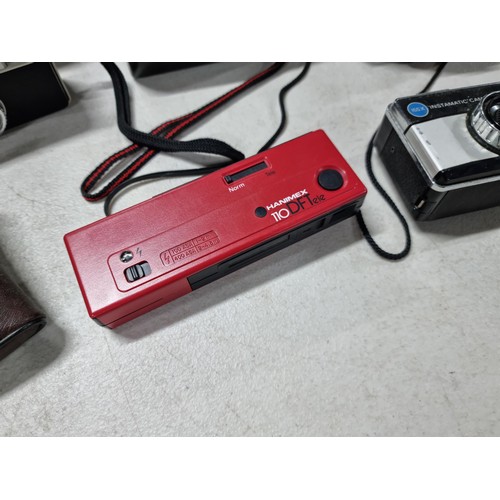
[(484, 122)]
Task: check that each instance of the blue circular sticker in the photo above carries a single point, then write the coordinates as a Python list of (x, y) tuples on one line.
[(417, 109)]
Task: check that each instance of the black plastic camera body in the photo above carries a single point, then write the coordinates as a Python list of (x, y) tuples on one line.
[(442, 150), (29, 91)]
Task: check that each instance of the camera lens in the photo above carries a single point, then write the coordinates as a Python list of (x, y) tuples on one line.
[(494, 113), (484, 122)]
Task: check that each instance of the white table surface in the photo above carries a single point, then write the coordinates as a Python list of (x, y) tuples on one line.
[(321, 338)]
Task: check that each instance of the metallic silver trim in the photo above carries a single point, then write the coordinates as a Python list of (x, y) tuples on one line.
[(396, 117), (445, 143), (482, 125), (9, 66), (452, 187), (61, 82), (420, 204), (3, 118), (397, 125)]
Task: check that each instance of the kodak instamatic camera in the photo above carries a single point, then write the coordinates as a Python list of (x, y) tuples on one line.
[(150, 254), (442, 150)]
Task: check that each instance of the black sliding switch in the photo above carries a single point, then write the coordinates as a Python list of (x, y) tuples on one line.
[(137, 271), (243, 173)]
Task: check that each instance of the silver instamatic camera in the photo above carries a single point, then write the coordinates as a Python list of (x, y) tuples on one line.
[(442, 150)]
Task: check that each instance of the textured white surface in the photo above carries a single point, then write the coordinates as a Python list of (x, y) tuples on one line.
[(322, 338)]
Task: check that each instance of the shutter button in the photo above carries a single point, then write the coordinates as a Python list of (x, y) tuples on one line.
[(330, 179)]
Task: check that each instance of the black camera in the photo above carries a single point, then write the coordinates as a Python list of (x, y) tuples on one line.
[(29, 91), (442, 150)]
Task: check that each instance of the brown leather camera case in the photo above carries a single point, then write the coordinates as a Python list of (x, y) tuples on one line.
[(19, 317)]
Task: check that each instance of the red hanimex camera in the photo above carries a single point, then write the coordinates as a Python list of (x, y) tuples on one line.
[(147, 255)]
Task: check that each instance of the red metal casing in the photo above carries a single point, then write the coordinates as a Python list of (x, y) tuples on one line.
[(209, 227)]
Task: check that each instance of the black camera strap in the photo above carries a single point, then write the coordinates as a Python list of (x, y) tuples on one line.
[(158, 142), (361, 222), (145, 146), (176, 126), (359, 216)]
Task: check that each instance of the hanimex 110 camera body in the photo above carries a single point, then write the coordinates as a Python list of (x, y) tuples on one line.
[(442, 150), (150, 254)]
